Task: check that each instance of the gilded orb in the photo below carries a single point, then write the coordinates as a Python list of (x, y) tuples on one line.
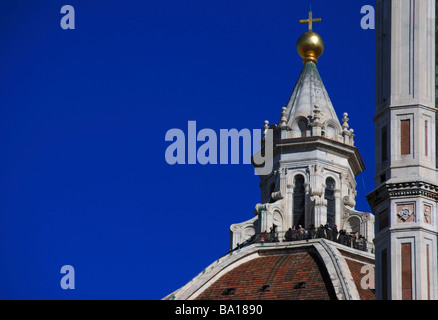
[(310, 46)]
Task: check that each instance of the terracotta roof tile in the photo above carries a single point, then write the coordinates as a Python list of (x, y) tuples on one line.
[(296, 276), (355, 269)]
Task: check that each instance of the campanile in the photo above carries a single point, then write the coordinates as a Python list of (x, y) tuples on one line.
[(405, 198)]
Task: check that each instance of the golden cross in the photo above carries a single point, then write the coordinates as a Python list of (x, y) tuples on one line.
[(310, 21)]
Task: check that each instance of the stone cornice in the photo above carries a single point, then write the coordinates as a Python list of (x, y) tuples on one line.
[(382, 235), (311, 143), (399, 190), (387, 108)]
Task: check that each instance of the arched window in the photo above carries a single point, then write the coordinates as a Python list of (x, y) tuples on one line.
[(299, 201), (299, 128), (331, 132), (302, 126), (353, 225), (329, 195)]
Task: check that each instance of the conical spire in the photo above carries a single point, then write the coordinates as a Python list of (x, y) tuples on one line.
[(310, 111), (308, 93)]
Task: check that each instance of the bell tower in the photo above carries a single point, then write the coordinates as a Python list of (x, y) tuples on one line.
[(405, 198)]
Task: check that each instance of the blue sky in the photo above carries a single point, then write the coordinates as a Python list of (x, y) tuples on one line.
[(84, 113)]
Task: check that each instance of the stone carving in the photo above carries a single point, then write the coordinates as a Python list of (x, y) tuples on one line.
[(241, 232), (405, 213), (346, 214), (349, 202), (427, 214), (277, 196), (318, 201)]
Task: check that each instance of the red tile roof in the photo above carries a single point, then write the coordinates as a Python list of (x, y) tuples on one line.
[(296, 276), (355, 269), (356, 263)]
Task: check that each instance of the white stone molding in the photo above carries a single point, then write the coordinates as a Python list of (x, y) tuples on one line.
[(334, 262)]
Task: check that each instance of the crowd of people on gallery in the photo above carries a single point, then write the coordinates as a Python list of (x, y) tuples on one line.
[(298, 233)]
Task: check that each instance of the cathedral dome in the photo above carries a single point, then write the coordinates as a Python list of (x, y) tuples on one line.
[(313, 184), (316, 269)]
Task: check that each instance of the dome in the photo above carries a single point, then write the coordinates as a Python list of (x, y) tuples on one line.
[(316, 269)]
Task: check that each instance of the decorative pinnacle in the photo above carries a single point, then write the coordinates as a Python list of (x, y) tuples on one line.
[(316, 114), (345, 120), (283, 120), (266, 127)]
